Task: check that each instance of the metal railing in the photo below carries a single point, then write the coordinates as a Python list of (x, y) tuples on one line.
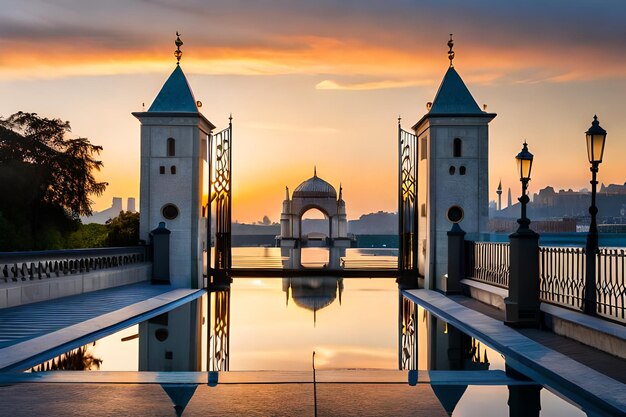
[(488, 262), (611, 283), (561, 275), (36, 265)]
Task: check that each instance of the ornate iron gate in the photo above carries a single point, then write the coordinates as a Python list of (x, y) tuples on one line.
[(407, 200), (220, 191)]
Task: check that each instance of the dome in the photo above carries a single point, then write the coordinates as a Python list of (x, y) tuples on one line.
[(315, 187)]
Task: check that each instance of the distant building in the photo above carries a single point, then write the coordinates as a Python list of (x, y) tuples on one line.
[(549, 204), (112, 212)]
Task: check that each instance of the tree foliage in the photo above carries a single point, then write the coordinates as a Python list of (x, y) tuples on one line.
[(123, 230), (46, 181)]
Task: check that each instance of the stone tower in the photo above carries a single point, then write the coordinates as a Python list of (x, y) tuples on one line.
[(174, 137), (453, 168)]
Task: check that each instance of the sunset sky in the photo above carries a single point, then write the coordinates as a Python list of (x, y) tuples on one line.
[(323, 82)]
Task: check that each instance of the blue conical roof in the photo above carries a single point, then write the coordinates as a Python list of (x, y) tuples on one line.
[(453, 97), (175, 96)]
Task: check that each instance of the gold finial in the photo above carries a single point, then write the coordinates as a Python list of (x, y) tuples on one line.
[(178, 53), (451, 52)]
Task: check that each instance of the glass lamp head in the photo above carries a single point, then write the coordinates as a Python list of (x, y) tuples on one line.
[(596, 137), (524, 163)]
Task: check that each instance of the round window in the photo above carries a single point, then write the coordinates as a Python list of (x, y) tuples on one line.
[(161, 334), (455, 214), (169, 211)]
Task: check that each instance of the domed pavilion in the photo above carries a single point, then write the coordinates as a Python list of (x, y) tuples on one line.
[(314, 193)]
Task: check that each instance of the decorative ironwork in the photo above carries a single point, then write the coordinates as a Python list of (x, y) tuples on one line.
[(488, 262), (220, 180), (407, 332), (407, 199), (219, 331), (561, 275), (37, 265), (611, 283), (178, 53)]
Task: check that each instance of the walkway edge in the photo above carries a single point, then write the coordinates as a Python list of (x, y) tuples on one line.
[(584, 385), (34, 351)]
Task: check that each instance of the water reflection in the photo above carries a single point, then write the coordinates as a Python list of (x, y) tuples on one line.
[(218, 331), (171, 341), (313, 293), (326, 258), (448, 349), (79, 359)]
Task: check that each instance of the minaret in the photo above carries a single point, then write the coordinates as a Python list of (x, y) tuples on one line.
[(509, 200), (499, 192), (342, 218), (453, 172), (174, 137)]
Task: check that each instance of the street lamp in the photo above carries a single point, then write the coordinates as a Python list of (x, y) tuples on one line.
[(524, 167), (522, 304), (596, 137)]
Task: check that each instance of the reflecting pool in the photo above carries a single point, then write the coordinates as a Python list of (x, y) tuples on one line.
[(369, 350)]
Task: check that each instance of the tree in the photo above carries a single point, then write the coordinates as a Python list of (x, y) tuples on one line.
[(48, 180), (123, 230)]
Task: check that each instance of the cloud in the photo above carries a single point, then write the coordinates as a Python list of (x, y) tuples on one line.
[(353, 45), (371, 85)]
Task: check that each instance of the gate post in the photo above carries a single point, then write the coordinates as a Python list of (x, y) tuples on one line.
[(522, 304), (160, 254), (456, 260)]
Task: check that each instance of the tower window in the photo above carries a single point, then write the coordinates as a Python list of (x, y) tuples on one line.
[(452, 170), (456, 148), (462, 170), (173, 169), (161, 169), (169, 211), (424, 144), (423, 210), (171, 147)]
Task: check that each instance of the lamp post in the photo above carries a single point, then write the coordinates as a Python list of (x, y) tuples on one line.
[(524, 167), (522, 303), (596, 137)]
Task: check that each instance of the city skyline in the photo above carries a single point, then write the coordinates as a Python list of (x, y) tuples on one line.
[(324, 87)]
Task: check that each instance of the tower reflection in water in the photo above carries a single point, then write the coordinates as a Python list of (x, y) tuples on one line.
[(443, 347)]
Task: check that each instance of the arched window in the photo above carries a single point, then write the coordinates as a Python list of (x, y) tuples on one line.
[(462, 170), (456, 149), (171, 147), (173, 169)]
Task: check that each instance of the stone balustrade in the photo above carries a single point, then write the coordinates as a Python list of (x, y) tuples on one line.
[(39, 265)]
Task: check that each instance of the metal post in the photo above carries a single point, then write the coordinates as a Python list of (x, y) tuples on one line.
[(522, 303), (591, 249), (400, 203)]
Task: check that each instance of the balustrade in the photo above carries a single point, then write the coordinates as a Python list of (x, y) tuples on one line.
[(37, 265)]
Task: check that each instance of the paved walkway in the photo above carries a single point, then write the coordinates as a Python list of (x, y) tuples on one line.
[(33, 333), (590, 388)]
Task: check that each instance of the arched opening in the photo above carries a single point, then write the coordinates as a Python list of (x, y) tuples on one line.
[(315, 229), (315, 225), (457, 148), (171, 147)]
